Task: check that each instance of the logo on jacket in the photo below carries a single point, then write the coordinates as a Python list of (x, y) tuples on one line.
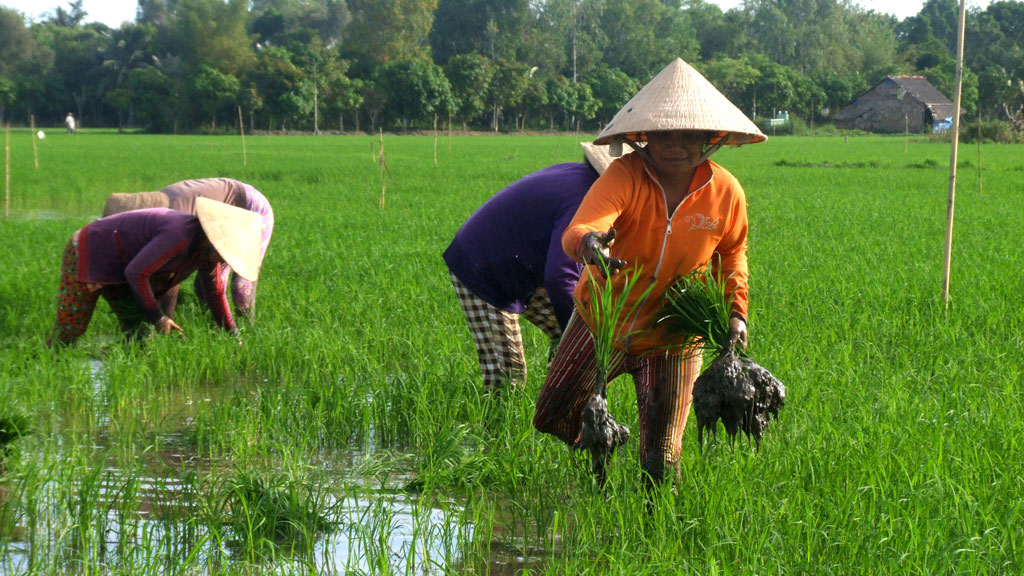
[(699, 221)]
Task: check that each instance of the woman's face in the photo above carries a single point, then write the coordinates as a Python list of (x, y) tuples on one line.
[(676, 151), (207, 253)]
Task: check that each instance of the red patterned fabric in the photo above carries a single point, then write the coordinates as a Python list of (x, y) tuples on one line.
[(664, 391)]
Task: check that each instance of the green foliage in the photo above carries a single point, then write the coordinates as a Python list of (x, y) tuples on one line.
[(266, 512), (611, 88), (990, 131), (384, 31), (360, 365), (13, 425), (696, 308), (281, 87), (802, 56), (608, 312), (213, 90), (212, 34), (470, 76), (415, 90)]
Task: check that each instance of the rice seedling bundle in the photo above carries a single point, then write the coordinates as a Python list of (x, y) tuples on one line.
[(733, 388)]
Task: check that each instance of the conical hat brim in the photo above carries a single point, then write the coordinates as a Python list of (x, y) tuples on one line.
[(121, 202), (679, 98), (234, 232), (598, 156)]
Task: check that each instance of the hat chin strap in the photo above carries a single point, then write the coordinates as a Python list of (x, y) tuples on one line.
[(711, 150), (642, 151)]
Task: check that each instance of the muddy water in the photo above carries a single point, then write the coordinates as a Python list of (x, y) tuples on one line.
[(150, 513), (138, 519), (372, 532)]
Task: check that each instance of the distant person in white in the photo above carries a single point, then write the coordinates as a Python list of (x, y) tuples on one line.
[(70, 123)]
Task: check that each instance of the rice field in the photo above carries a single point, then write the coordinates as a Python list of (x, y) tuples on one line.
[(348, 433)]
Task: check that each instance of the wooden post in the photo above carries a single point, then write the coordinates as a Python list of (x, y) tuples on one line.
[(241, 130), (958, 82), (435, 139), (32, 132), (7, 172)]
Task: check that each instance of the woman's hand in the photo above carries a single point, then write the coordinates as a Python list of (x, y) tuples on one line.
[(737, 332), (595, 249), (165, 326)]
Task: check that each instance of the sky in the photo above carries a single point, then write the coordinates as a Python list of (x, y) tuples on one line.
[(114, 12)]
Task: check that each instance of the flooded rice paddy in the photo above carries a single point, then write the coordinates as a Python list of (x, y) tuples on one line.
[(349, 433), (168, 506)]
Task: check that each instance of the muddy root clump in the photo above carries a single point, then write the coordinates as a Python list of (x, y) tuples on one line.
[(741, 393), (601, 434)]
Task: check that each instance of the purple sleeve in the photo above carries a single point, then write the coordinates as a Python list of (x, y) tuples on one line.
[(561, 273), (156, 254), (214, 293)]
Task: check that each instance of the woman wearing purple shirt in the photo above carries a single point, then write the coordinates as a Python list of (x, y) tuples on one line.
[(133, 258), (507, 260), (181, 196)]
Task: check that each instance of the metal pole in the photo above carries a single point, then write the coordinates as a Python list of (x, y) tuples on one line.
[(958, 80)]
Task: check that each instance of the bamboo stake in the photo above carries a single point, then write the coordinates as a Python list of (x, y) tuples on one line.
[(906, 132), (979, 151), (32, 132), (7, 172), (435, 139), (385, 172), (958, 81), (241, 130)]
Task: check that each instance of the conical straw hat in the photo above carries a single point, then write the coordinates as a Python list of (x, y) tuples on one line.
[(120, 202), (679, 98), (598, 156), (234, 233)]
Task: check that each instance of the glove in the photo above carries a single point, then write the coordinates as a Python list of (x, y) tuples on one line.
[(595, 250), (737, 332)]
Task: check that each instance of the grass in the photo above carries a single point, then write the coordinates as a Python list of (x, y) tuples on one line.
[(899, 450)]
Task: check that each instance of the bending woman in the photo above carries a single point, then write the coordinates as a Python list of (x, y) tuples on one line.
[(135, 258)]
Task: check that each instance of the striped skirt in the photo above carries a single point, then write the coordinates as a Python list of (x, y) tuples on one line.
[(664, 391)]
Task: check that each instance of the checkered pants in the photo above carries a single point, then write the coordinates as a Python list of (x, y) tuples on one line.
[(496, 334), (664, 391)]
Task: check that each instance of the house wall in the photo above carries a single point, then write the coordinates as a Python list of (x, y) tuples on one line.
[(881, 110)]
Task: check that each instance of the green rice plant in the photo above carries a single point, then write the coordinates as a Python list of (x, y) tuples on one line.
[(608, 309), (696, 307), (268, 514), (733, 387), (901, 453), (13, 425)]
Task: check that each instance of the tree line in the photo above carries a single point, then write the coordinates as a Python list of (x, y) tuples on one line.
[(196, 65)]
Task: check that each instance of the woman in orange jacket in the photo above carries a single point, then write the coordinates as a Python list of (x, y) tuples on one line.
[(662, 211)]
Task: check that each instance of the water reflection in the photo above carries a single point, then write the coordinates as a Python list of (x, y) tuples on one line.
[(162, 511), (376, 533)]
